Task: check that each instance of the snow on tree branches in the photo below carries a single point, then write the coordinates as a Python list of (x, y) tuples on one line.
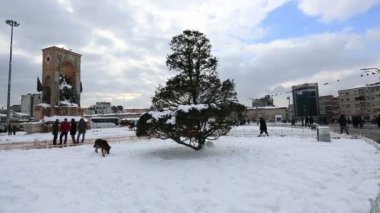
[(193, 106)]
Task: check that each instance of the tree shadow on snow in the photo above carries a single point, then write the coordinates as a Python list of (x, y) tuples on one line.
[(177, 153)]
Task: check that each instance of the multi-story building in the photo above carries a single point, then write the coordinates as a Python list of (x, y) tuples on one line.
[(262, 102), (329, 108), (28, 102), (335, 107), (361, 101), (305, 99), (100, 108)]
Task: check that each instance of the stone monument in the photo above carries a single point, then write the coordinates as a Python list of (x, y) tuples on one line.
[(61, 83)]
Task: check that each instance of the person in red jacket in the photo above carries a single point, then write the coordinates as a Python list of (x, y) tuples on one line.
[(65, 128)]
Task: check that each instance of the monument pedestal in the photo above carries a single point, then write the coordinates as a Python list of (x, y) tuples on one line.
[(41, 111)]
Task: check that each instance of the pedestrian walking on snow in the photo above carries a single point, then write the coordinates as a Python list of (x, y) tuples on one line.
[(263, 127)]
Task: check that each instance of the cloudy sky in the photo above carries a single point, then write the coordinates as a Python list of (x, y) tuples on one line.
[(265, 46)]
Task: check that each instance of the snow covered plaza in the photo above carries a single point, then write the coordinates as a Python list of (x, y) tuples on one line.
[(289, 171)]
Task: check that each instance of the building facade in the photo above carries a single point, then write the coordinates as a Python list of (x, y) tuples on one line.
[(28, 102), (329, 108), (361, 101), (305, 100), (100, 108), (270, 114), (262, 102)]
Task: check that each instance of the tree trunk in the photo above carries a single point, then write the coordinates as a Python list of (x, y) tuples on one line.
[(196, 148)]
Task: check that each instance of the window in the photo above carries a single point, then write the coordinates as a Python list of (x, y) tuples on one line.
[(359, 98)]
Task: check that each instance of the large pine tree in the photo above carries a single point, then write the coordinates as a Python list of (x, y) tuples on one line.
[(193, 106)]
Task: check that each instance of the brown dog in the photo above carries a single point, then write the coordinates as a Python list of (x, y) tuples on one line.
[(102, 144)]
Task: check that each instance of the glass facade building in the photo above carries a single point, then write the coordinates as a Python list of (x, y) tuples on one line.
[(306, 99)]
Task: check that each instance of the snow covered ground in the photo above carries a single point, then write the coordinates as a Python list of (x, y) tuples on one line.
[(236, 174)]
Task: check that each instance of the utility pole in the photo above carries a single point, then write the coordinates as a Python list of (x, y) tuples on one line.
[(11, 23)]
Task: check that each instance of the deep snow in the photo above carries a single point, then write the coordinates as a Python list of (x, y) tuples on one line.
[(235, 174)]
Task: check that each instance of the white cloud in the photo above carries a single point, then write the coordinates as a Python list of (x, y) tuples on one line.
[(337, 10), (320, 58), (124, 44), (66, 5), (4, 43)]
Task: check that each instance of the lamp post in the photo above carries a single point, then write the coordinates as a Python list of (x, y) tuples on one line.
[(11, 23)]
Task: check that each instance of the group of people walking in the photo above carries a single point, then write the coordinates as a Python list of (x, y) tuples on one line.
[(65, 128), (356, 123)]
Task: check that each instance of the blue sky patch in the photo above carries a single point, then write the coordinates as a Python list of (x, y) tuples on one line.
[(288, 21)]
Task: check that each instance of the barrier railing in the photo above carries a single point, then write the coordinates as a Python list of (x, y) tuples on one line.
[(254, 131)]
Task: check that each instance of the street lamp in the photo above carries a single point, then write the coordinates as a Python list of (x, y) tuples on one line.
[(11, 23)]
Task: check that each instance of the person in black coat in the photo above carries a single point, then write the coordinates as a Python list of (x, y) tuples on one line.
[(9, 129), (55, 131), (307, 121), (81, 129), (343, 124), (263, 126), (73, 130), (293, 121), (361, 122)]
